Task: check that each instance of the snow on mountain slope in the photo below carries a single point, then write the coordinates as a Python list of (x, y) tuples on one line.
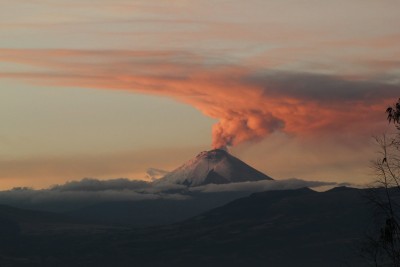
[(215, 166)]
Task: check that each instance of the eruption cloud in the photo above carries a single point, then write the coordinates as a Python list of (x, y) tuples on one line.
[(248, 103), (235, 128)]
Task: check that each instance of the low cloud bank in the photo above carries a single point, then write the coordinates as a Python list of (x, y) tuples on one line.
[(91, 191), (264, 185), (95, 185)]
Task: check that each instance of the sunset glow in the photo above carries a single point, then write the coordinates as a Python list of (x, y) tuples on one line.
[(111, 89)]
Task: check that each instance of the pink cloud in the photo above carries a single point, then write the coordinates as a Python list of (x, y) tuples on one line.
[(249, 103)]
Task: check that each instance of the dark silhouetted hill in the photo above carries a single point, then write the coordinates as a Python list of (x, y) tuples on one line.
[(276, 228)]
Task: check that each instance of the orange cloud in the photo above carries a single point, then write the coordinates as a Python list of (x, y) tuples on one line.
[(248, 103)]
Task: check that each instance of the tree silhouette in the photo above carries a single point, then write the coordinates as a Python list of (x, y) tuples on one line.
[(394, 114), (385, 246)]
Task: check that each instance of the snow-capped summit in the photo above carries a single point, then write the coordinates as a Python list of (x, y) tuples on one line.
[(213, 167)]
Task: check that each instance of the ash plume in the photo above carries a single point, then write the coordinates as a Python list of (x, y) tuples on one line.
[(248, 102), (235, 128)]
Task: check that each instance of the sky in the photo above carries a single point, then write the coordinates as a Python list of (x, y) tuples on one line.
[(110, 88)]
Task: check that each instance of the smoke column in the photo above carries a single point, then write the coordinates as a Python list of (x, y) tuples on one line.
[(247, 126)]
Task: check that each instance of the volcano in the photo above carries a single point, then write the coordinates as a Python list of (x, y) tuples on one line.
[(216, 166)]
